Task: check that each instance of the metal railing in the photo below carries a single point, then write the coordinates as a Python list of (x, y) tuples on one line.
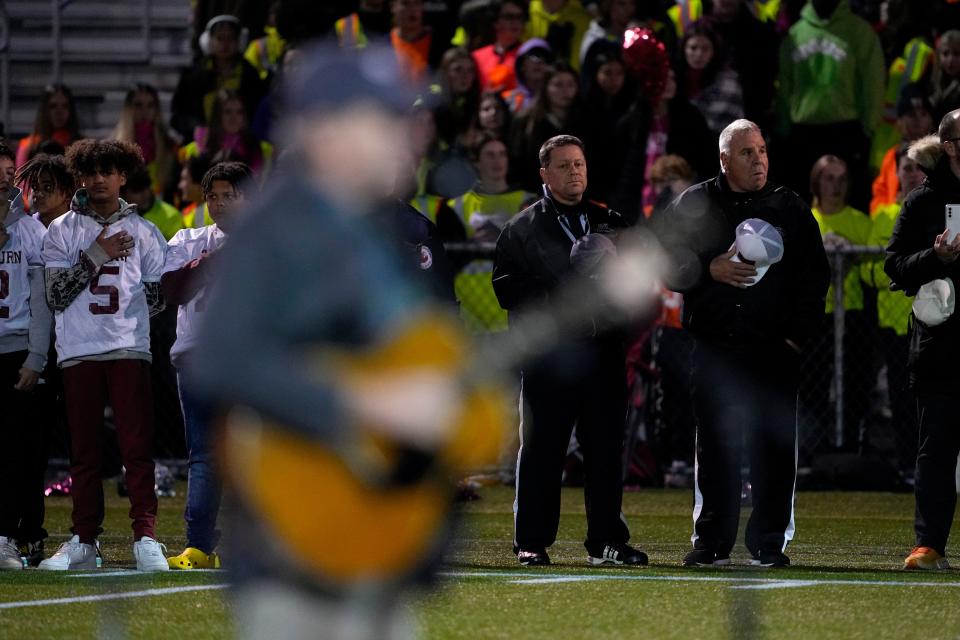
[(838, 257), (5, 64), (845, 401)]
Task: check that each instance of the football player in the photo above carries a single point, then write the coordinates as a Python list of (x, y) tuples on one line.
[(24, 341), (51, 186), (190, 256), (103, 265)]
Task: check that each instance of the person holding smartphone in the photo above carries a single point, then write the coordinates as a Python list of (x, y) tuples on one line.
[(923, 252)]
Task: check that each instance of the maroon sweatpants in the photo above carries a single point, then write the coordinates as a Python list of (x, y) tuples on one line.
[(125, 384)]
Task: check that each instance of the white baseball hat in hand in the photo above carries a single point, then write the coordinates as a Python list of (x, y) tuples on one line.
[(935, 302), (758, 243)]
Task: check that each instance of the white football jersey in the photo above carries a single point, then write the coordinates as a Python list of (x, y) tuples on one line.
[(111, 313), (22, 252), (186, 246)]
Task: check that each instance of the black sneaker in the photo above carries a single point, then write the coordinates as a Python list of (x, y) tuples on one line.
[(535, 558), (770, 559), (705, 558), (621, 553), (32, 553)]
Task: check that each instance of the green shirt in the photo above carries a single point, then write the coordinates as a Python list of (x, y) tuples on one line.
[(165, 217)]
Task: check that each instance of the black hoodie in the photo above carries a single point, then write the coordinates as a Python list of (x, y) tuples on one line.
[(911, 263)]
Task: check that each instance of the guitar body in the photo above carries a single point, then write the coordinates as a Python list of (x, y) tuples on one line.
[(371, 510)]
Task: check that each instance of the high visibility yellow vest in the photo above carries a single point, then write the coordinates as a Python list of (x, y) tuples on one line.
[(685, 13), (910, 67), (190, 216), (479, 308), (893, 307), (350, 32), (855, 227), (765, 10), (264, 53)]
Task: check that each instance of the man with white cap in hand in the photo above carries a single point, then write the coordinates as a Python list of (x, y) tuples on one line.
[(748, 258)]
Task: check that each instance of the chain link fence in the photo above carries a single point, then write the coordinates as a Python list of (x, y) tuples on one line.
[(853, 396), (853, 393)]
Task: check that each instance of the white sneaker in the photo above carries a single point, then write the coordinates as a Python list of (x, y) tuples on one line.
[(72, 555), (10, 559), (150, 555)]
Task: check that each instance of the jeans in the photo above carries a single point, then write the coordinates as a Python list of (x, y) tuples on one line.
[(203, 485)]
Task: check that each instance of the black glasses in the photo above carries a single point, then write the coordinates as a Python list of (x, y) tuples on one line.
[(513, 17)]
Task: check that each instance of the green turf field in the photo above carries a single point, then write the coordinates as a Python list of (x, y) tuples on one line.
[(845, 582)]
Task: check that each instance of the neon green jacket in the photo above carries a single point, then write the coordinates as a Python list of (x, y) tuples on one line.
[(853, 225), (572, 12), (831, 71), (893, 307)]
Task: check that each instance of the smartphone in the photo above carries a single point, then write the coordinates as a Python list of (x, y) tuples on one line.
[(953, 221)]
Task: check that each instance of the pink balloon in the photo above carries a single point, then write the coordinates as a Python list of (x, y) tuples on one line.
[(646, 58)]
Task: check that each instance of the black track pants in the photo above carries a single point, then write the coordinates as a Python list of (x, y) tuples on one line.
[(745, 399), (582, 386)]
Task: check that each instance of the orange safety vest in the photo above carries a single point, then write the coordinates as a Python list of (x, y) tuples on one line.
[(412, 56)]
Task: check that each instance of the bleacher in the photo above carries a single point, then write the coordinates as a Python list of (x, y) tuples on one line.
[(105, 46)]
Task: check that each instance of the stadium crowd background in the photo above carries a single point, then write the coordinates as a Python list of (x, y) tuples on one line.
[(837, 86)]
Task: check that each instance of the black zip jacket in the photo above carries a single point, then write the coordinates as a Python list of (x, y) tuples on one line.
[(786, 304), (533, 252), (911, 263)]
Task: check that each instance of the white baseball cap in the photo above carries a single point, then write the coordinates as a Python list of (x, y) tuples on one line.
[(759, 243), (935, 302)]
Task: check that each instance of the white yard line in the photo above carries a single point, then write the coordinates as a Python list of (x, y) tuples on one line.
[(556, 579), (781, 584), (130, 572), (753, 583), (111, 596)]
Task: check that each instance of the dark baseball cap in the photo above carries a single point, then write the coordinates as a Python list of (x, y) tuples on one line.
[(913, 96), (331, 77)]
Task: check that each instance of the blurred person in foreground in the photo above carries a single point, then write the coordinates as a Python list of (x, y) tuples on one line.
[(337, 379), (922, 260), (750, 264)]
